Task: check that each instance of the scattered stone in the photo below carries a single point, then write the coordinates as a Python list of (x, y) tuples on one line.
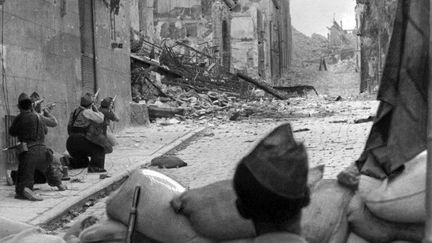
[(302, 130), (339, 98), (340, 121), (364, 120), (209, 134), (168, 162)]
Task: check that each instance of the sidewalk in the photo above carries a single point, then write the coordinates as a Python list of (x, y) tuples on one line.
[(137, 146)]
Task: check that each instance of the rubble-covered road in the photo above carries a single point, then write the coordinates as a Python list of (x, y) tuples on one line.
[(335, 140)]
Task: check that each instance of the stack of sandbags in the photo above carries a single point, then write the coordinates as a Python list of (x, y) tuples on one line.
[(213, 214), (399, 199), (156, 219)]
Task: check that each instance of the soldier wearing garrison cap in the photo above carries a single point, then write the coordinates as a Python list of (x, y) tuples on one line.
[(271, 186), (79, 144), (33, 154)]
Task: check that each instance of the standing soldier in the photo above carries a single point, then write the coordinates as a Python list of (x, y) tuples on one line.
[(84, 136), (32, 154), (271, 187)]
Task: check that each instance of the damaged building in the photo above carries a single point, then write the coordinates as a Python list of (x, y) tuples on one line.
[(375, 25), (248, 36)]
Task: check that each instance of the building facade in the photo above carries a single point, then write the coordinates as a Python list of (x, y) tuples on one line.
[(62, 49)]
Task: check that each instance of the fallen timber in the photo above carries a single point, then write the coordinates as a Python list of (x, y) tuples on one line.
[(262, 85)]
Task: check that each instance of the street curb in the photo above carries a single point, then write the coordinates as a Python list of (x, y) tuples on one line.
[(63, 207)]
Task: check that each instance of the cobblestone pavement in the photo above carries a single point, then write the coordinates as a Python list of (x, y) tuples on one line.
[(335, 141)]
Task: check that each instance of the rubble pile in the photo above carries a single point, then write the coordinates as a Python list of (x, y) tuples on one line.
[(197, 71), (216, 107), (192, 86)]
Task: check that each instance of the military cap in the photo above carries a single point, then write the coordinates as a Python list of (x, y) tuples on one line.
[(23, 97), (86, 100), (34, 96), (105, 103), (280, 164)]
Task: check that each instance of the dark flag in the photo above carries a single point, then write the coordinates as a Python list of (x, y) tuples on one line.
[(399, 131)]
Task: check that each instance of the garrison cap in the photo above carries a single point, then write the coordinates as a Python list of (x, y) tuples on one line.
[(280, 164)]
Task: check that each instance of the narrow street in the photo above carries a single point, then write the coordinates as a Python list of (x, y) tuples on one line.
[(334, 140), (118, 84)]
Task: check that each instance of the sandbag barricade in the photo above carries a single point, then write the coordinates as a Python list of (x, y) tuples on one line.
[(212, 212), (156, 219), (399, 199)]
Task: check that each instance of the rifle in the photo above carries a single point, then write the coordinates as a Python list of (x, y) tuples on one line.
[(51, 106), (37, 102), (113, 101), (11, 147), (96, 94), (21, 147), (133, 215)]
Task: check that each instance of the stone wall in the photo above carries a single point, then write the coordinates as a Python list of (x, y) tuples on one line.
[(42, 52)]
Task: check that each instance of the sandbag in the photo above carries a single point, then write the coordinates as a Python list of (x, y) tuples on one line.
[(364, 224), (10, 227), (353, 238), (324, 219), (32, 235), (78, 226), (400, 199), (213, 214), (110, 231), (156, 219), (168, 162)]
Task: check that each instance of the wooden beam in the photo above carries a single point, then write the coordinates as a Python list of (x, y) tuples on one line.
[(428, 201), (264, 86)]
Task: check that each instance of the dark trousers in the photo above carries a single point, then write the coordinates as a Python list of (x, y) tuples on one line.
[(80, 149), (35, 159)]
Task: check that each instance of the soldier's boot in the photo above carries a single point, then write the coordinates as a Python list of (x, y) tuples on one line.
[(65, 168), (65, 172), (62, 187)]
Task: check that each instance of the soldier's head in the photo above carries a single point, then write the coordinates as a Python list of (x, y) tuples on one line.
[(24, 102), (105, 103), (86, 100), (36, 101), (271, 182)]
